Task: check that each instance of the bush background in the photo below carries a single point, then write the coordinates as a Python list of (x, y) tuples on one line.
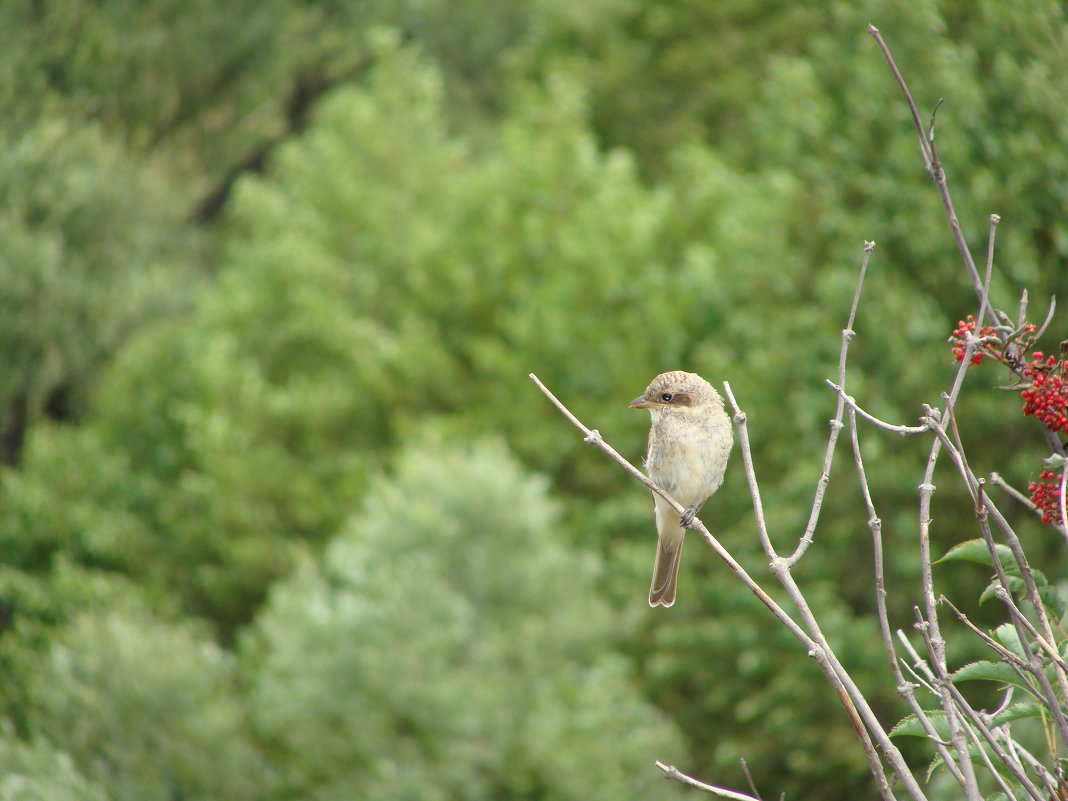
[(281, 516)]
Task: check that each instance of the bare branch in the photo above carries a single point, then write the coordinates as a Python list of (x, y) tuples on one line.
[(1042, 642), (944, 685), (930, 627), (836, 422), (1016, 751), (985, 294), (1044, 624), (740, 423), (852, 404), (671, 772), (991, 643), (984, 507), (933, 165), (925, 145), (986, 759), (998, 481), (749, 778), (962, 704), (904, 688), (918, 662), (862, 717), (1021, 312), (1049, 317)]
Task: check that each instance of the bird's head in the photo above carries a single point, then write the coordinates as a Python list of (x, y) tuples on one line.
[(676, 390)]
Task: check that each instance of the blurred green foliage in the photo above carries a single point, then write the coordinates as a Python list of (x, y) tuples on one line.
[(303, 428), (420, 661), (37, 772)]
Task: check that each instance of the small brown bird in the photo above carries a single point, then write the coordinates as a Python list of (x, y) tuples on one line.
[(689, 442)]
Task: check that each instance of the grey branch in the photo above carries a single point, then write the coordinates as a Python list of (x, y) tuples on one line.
[(836, 422), (671, 772)]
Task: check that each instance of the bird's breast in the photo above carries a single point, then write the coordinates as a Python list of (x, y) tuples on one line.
[(688, 459)]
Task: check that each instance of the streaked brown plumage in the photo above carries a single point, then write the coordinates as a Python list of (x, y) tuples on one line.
[(690, 440)]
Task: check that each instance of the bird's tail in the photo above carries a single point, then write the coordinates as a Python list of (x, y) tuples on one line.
[(666, 569)]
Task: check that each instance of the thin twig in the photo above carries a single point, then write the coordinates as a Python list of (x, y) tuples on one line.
[(1023, 627), (740, 423), (970, 729), (852, 404), (904, 688), (864, 720), (962, 704), (984, 507), (1049, 317), (925, 145), (921, 681), (1002, 756), (933, 165), (999, 481), (931, 631), (937, 422), (1044, 625), (1020, 666), (932, 638), (749, 778), (985, 294), (1017, 613), (836, 422), (918, 662), (1021, 310), (970, 483), (671, 772), (993, 644), (1017, 750)]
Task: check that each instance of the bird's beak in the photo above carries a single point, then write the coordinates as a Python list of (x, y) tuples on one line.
[(641, 403)]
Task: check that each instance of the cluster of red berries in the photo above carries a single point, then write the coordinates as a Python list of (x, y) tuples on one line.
[(967, 326), (1047, 397), (1046, 495)]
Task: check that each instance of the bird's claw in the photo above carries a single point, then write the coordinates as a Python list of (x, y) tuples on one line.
[(687, 518)]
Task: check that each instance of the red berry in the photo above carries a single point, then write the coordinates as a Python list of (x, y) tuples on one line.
[(1046, 495)]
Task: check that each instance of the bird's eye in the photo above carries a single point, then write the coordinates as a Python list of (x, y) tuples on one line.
[(666, 397)]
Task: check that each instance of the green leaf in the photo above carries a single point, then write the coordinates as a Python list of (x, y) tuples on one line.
[(936, 763), (1013, 569), (1006, 635), (976, 551), (1053, 600), (1015, 583), (1020, 711), (910, 726), (1047, 593), (1000, 672)]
